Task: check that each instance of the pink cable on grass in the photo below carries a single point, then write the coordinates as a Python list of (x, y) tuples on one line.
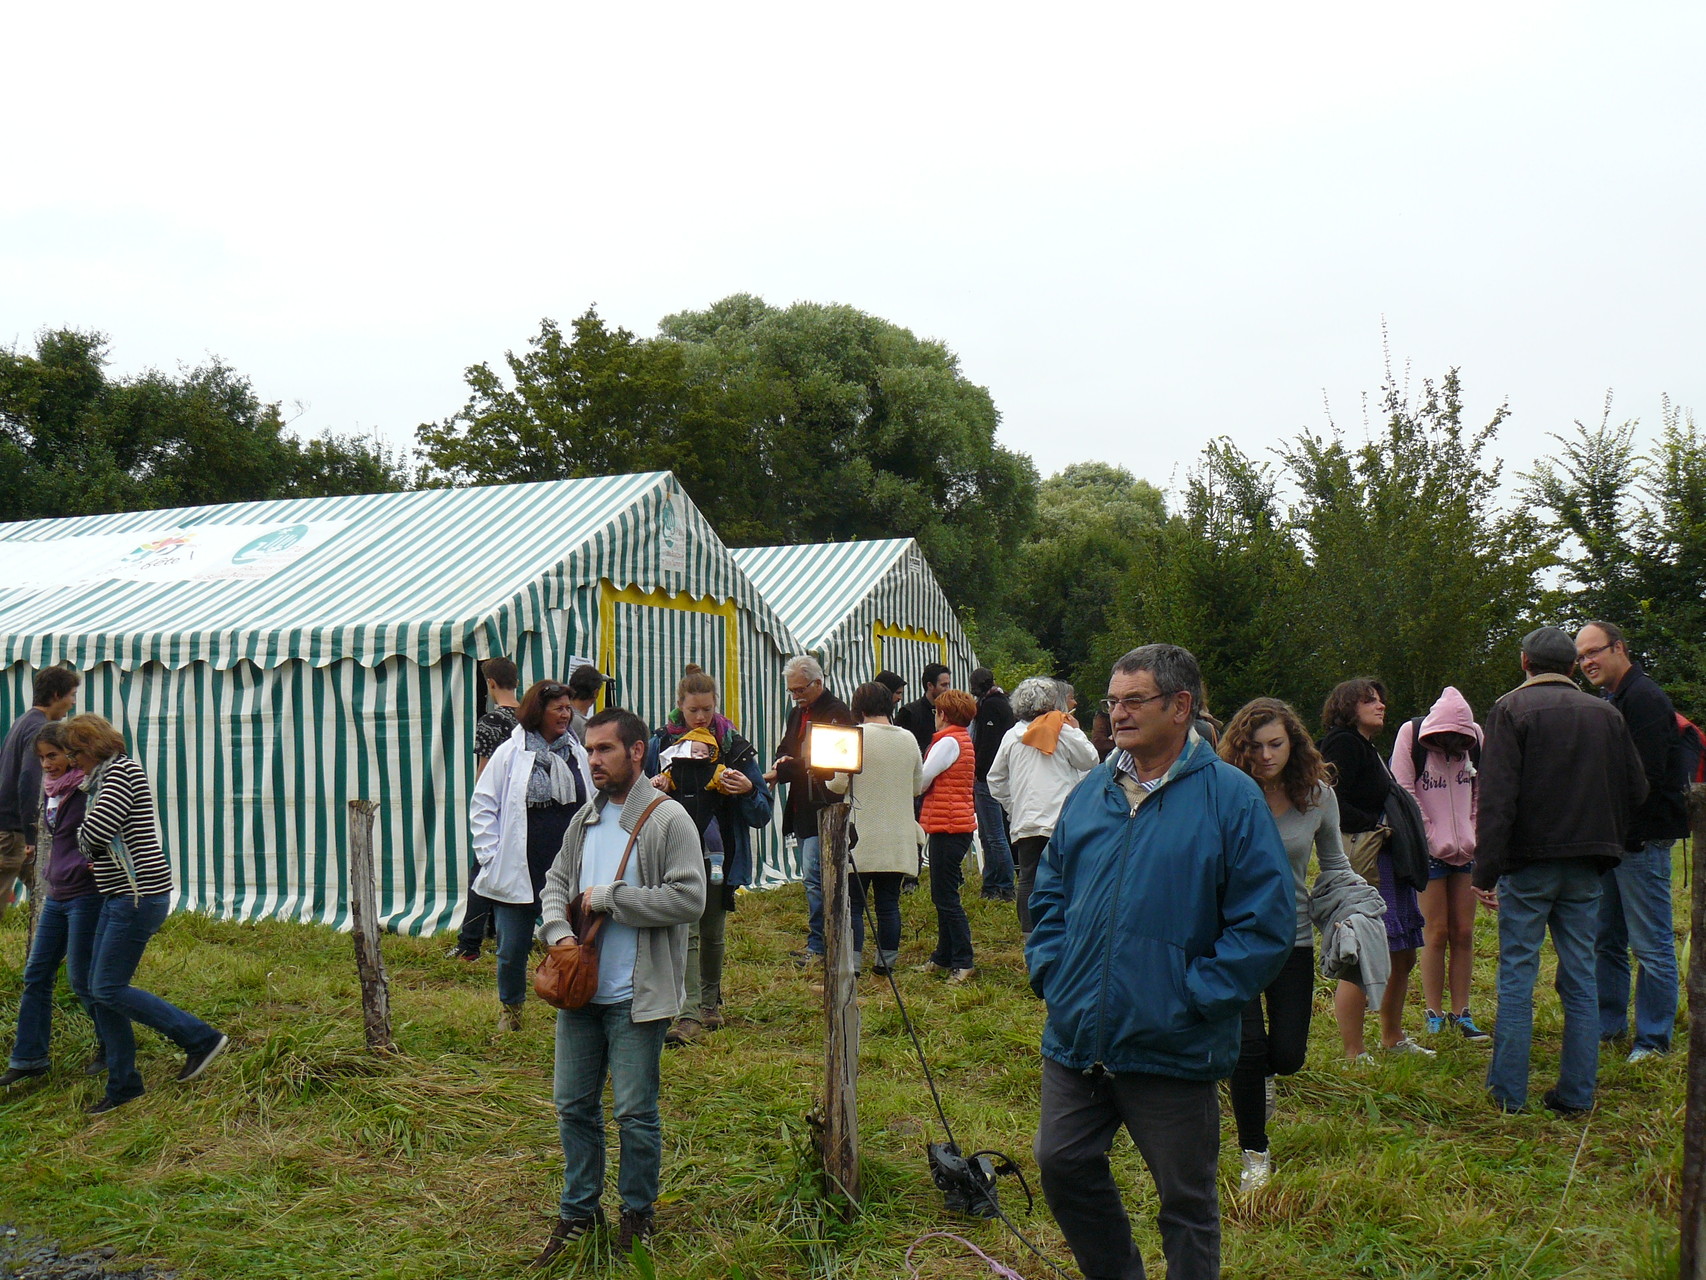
[(1005, 1272)]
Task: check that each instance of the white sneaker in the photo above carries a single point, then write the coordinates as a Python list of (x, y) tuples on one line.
[(1409, 1047), (1642, 1054), (1270, 1094), (1258, 1168)]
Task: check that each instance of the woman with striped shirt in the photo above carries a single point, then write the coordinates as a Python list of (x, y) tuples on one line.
[(121, 839)]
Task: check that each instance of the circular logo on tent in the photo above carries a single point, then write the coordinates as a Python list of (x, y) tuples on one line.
[(668, 529), (269, 544)]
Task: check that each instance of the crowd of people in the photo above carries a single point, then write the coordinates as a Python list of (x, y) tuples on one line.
[(1159, 868)]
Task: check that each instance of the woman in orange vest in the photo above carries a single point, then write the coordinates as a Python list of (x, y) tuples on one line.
[(948, 818)]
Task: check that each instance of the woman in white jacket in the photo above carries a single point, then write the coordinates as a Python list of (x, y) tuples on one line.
[(532, 786), (1041, 759)]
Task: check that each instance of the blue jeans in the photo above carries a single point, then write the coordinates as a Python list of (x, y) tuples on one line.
[(121, 936), (1564, 895), (515, 942), (992, 831), (811, 866), (947, 873), (592, 1040), (881, 889), (65, 931), (1635, 914)]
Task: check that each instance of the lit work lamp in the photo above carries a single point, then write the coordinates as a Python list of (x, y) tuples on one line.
[(835, 748)]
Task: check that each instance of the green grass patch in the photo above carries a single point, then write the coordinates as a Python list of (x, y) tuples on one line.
[(300, 1154)]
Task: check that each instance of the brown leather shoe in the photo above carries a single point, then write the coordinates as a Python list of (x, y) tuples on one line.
[(711, 1019), (686, 1030), (566, 1232)]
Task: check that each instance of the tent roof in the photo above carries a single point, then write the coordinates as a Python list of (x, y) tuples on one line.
[(816, 586), (417, 574)]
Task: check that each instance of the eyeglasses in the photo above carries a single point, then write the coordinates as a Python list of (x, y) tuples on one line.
[(1585, 654), (549, 691), (1130, 704)]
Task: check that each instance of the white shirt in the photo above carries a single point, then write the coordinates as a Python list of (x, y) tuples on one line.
[(944, 754)]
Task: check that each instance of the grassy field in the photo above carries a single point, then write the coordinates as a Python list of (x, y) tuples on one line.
[(302, 1155)]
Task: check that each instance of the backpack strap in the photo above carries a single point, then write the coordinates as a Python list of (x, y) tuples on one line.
[(1418, 753)]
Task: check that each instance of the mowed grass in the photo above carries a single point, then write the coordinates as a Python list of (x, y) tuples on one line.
[(300, 1154)]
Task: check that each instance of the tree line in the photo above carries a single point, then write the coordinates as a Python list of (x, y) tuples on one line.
[(1404, 551)]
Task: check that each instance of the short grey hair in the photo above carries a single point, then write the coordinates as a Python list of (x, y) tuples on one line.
[(1038, 695), (803, 664), (1173, 669)]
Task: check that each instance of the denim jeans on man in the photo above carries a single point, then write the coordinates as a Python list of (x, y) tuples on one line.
[(591, 1041), (1635, 914), (65, 931), (121, 935), (992, 834), (1175, 1125), (515, 922), (947, 873), (812, 868), (1564, 895)]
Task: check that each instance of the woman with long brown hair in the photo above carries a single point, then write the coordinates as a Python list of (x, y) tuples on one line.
[(1267, 740)]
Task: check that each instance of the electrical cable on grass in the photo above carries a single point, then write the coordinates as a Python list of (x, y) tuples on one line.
[(906, 1020)]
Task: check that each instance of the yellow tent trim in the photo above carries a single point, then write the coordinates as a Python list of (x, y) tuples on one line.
[(610, 595), (881, 630)]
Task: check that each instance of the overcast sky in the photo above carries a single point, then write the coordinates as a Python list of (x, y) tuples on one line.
[(1140, 226)]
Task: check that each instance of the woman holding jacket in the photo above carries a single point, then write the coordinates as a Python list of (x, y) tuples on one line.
[(1354, 712), (700, 760), (1267, 740), (120, 838), (534, 783), (1434, 760), (886, 836)]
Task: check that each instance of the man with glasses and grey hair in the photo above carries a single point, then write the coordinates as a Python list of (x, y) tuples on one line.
[(1163, 905), (813, 704)]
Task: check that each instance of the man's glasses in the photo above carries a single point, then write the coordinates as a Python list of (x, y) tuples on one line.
[(1585, 654), (1131, 704)]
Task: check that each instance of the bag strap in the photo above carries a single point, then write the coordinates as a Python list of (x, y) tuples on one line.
[(634, 836), (1418, 753)]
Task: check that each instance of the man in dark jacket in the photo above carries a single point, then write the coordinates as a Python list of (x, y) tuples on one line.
[(20, 775), (813, 704), (1163, 905), (919, 715), (1635, 911), (1560, 778), (994, 718)]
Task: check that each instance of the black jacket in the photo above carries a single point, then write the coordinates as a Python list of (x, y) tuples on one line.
[(806, 795), (919, 717), (1560, 778), (20, 775), (1362, 782), (994, 718), (1651, 718)]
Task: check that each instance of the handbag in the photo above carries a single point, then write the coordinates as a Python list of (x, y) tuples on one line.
[(1363, 849), (567, 978), (1408, 844)]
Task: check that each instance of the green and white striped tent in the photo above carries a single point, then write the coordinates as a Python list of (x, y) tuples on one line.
[(268, 662), (860, 607)]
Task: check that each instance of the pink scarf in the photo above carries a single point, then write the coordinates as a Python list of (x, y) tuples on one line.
[(63, 785)]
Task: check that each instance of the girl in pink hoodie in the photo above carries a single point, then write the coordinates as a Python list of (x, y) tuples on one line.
[(1445, 745)]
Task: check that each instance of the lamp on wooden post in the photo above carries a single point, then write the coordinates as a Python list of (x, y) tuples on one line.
[(838, 749)]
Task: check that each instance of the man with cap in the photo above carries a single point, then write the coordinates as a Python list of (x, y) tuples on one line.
[(1560, 781), (585, 684)]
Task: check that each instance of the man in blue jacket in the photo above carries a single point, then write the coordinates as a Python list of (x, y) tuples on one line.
[(1163, 905)]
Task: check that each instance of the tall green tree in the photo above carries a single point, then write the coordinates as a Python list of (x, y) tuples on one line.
[(74, 441), (801, 424), (1094, 523), (1416, 571), (1671, 565)]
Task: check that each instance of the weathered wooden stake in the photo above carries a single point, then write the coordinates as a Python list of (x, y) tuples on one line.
[(1694, 1124), (841, 1012), (364, 915)]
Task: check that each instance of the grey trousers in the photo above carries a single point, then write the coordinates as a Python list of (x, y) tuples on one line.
[(1176, 1127)]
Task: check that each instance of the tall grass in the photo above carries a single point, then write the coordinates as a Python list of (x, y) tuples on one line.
[(300, 1154)]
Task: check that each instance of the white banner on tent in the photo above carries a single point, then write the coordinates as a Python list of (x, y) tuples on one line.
[(188, 553)]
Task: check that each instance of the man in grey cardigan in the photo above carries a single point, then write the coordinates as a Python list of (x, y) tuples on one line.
[(642, 969)]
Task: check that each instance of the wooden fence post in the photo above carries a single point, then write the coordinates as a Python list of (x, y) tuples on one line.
[(364, 916), (841, 1012), (1694, 1125)]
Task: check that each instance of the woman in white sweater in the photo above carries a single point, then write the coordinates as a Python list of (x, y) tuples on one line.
[(886, 835), (1041, 759)]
